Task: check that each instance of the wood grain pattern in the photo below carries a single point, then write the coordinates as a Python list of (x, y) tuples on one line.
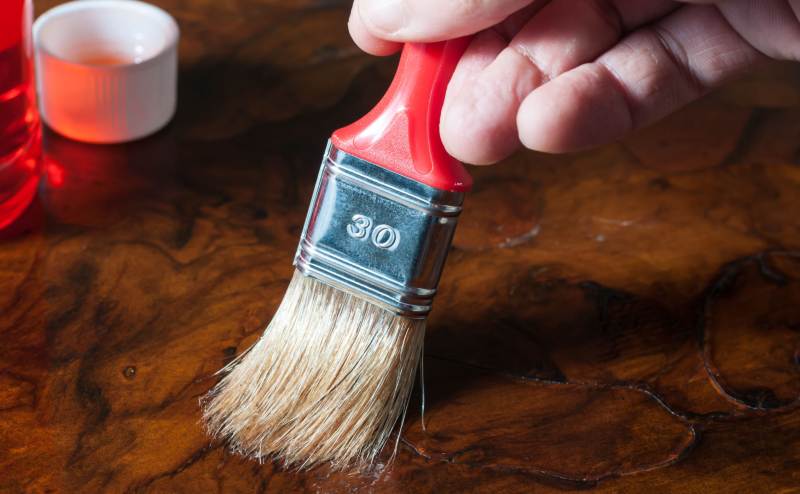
[(621, 320)]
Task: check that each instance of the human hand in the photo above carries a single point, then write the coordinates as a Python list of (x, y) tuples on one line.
[(565, 75)]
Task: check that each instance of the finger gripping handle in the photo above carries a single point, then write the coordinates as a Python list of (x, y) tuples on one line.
[(401, 133)]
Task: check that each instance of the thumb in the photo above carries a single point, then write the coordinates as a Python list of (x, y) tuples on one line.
[(433, 20)]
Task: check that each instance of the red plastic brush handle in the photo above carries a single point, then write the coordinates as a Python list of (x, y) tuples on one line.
[(401, 133)]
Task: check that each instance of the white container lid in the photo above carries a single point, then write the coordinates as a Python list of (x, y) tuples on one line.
[(106, 70)]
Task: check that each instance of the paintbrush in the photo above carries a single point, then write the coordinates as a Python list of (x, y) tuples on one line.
[(330, 378)]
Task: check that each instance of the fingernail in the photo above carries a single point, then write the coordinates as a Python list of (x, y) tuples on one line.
[(387, 16)]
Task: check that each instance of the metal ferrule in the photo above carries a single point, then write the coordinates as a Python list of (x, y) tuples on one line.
[(377, 234)]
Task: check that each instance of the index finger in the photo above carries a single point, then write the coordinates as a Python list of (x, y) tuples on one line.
[(365, 39), (432, 20)]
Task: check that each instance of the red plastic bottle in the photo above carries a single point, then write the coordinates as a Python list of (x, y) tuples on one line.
[(20, 130)]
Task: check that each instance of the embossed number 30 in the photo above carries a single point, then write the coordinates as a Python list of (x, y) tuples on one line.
[(382, 236)]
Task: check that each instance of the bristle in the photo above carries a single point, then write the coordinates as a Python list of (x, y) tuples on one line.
[(328, 381)]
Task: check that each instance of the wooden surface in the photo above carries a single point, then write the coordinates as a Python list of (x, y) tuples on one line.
[(622, 320)]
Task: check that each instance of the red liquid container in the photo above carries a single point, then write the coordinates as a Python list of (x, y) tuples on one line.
[(20, 130)]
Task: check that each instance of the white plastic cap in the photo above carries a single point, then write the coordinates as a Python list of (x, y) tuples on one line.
[(106, 70)]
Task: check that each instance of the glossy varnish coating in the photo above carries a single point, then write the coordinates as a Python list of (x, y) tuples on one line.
[(621, 320)]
